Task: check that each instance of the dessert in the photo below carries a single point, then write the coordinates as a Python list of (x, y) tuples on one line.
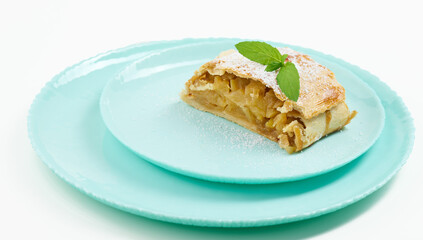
[(240, 90)]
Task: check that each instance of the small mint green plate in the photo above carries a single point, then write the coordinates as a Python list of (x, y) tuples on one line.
[(141, 107), (67, 132)]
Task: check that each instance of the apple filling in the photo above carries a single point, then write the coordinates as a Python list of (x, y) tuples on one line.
[(251, 104)]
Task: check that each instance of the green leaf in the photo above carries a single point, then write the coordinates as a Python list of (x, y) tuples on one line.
[(259, 52), (289, 81), (283, 58), (288, 78), (273, 66)]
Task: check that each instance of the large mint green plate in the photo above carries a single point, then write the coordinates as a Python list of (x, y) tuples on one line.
[(67, 132), (142, 109)]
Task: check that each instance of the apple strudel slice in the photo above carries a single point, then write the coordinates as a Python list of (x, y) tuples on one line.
[(237, 89)]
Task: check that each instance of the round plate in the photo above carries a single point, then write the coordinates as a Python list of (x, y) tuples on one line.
[(67, 132), (142, 108)]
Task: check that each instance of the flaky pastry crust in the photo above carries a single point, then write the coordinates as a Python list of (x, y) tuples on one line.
[(218, 87)]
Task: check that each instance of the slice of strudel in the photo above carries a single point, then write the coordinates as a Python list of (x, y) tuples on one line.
[(235, 88)]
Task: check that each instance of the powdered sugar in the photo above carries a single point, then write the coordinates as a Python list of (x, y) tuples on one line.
[(234, 136), (307, 68)]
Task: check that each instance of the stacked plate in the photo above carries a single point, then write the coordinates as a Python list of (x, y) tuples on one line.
[(113, 126)]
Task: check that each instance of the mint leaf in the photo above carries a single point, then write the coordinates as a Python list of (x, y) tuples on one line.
[(283, 58), (289, 81), (288, 78), (259, 52), (273, 66)]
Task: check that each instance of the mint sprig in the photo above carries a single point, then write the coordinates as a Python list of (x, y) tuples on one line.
[(288, 78)]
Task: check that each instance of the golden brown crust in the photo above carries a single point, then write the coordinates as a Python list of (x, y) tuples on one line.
[(319, 89), (319, 111)]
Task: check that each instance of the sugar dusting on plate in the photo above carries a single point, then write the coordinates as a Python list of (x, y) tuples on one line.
[(236, 136)]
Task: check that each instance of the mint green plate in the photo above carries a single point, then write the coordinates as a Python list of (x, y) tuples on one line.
[(67, 132), (141, 107)]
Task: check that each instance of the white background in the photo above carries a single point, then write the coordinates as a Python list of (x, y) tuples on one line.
[(38, 39)]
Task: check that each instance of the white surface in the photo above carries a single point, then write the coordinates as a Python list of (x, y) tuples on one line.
[(40, 38)]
